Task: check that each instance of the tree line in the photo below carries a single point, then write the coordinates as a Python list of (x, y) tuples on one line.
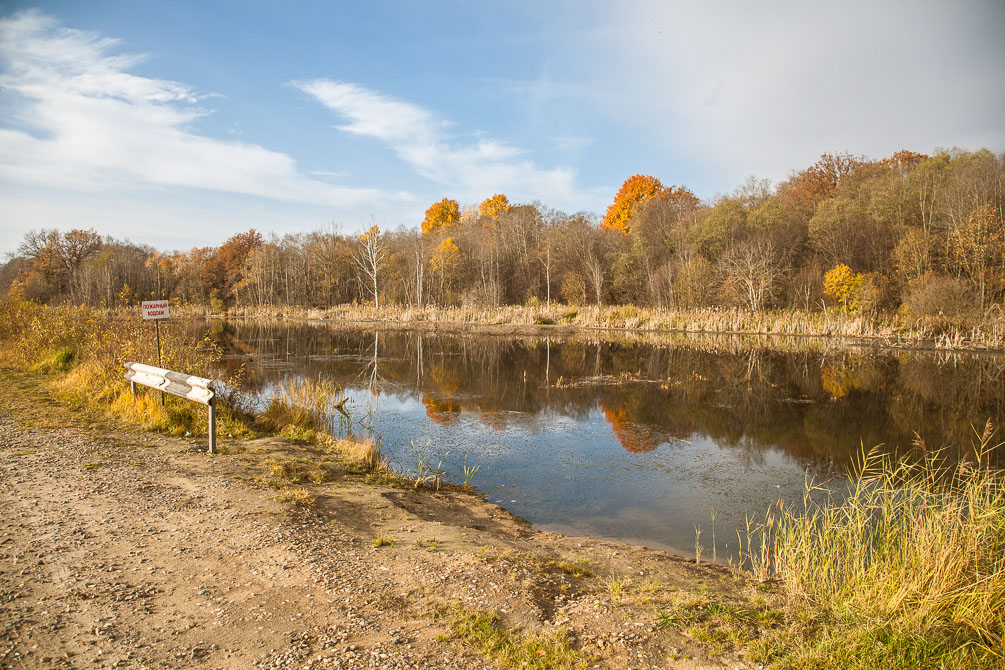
[(923, 234)]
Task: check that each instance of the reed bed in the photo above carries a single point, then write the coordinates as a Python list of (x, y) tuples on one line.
[(906, 571), (985, 331)]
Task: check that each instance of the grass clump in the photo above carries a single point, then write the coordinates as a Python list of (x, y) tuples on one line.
[(907, 571), (483, 630), (62, 359), (296, 497), (363, 454), (306, 411), (579, 568), (382, 541), (296, 471), (718, 625)]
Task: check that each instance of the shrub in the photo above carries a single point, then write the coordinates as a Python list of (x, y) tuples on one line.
[(935, 295)]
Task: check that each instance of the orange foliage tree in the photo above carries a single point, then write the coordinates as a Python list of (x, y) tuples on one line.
[(441, 216), (495, 206), (636, 190)]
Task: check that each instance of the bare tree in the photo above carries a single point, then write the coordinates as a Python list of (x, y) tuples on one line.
[(753, 270), (370, 258)]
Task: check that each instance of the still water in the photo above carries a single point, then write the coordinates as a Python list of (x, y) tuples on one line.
[(642, 439)]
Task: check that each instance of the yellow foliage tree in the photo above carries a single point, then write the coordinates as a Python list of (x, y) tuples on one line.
[(441, 215), (844, 286), (495, 206), (445, 256)]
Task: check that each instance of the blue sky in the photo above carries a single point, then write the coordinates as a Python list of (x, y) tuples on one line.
[(179, 124)]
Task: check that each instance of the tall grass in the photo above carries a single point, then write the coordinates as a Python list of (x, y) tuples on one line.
[(907, 571), (81, 351), (316, 412), (986, 331)]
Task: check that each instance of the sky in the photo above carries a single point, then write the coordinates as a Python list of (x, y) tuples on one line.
[(178, 124)]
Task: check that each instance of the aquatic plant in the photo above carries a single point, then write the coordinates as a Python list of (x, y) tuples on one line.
[(425, 476), (469, 471)]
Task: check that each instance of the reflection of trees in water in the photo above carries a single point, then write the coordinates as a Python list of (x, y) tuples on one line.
[(443, 412), (634, 437), (819, 407)]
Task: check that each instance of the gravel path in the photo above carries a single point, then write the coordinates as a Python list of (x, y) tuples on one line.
[(125, 557)]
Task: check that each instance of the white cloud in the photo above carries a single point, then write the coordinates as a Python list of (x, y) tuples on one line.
[(81, 120), (474, 169), (767, 87)]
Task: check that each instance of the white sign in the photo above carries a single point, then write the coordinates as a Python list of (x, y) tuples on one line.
[(155, 309)]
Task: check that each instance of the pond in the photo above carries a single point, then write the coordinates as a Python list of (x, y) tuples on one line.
[(647, 439)]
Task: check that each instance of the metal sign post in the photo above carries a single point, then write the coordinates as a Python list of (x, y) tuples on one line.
[(156, 310)]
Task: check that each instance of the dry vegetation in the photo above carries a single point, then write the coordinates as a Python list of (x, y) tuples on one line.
[(987, 332), (909, 245)]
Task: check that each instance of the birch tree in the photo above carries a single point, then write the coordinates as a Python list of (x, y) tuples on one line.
[(370, 258)]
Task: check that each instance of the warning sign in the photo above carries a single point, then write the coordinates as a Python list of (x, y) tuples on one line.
[(155, 309)]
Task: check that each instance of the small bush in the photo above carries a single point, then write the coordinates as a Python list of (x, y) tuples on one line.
[(937, 296), (63, 359)]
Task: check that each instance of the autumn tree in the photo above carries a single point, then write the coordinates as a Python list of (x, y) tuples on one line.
[(494, 206), (636, 189), (224, 270), (441, 216), (802, 192), (58, 256), (844, 285)]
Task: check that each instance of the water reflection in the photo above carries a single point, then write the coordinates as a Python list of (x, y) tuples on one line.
[(634, 440)]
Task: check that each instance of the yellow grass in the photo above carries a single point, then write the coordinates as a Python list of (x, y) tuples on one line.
[(983, 332), (907, 571)]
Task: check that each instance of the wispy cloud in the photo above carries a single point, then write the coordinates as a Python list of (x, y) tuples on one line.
[(77, 118), (473, 169)]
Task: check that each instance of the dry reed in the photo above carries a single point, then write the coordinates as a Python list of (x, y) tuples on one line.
[(907, 571)]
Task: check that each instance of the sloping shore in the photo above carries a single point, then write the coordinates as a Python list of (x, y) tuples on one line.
[(126, 549)]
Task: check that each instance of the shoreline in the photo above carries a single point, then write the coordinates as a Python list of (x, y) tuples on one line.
[(399, 544), (884, 332)]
